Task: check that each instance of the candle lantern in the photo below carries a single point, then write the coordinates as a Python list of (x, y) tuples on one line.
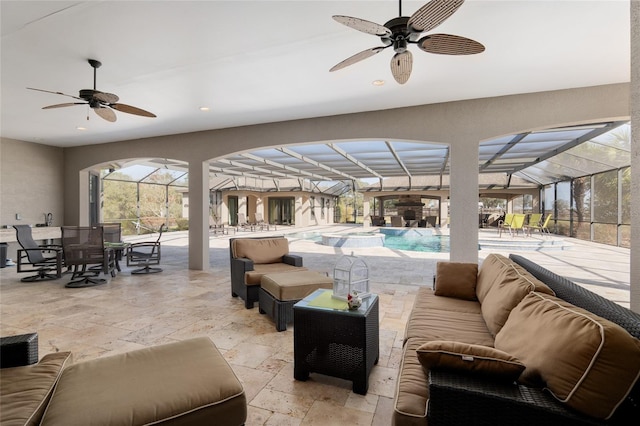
[(350, 276)]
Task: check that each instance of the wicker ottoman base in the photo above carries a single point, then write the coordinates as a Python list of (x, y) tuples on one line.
[(19, 350), (279, 292)]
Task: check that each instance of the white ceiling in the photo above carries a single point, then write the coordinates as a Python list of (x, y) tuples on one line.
[(263, 61)]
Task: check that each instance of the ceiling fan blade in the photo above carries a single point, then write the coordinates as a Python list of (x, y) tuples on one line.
[(108, 98), (432, 14), (131, 110), (358, 57), (106, 113), (55, 93), (64, 105), (363, 25), (401, 65), (448, 44)]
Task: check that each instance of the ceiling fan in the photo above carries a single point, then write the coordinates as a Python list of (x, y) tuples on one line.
[(101, 102), (401, 31)]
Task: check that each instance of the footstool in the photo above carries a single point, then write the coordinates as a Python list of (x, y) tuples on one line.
[(279, 292), (182, 383)]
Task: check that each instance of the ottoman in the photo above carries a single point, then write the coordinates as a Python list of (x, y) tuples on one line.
[(182, 383), (280, 291)]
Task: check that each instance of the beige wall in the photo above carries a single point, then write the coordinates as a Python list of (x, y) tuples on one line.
[(31, 184)]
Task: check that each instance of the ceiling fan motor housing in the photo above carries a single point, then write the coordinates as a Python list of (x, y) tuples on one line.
[(87, 94), (401, 34)]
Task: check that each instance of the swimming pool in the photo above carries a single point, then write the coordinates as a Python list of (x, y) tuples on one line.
[(408, 241)]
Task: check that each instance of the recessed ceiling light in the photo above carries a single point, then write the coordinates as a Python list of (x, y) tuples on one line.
[(204, 108), (378, 82), (81, 128)]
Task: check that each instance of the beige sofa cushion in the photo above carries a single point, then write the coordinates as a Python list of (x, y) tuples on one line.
[(446, 318), (261, 250), (182, 383), (489, 272), (513, 285), (477, 359), (456, 279), (25, 391), (254, 277), (586, 361), (412, 388), (493, 270), (294, 285)]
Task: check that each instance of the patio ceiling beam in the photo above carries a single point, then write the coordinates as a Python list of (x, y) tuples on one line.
[(354, 160), (233, 173), (222, 183), (399, 161), (397, 157), (284, 167), (575, 142), (443, 167), (506, 147), (255, 168), (315, 163)]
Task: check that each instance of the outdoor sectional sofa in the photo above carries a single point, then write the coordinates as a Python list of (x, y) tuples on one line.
[(511, 343)]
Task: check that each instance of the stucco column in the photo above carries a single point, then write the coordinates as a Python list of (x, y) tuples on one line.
[(198, 215), (463, 227), (635, 157), (366, 210), (300, 206), (83, 198)]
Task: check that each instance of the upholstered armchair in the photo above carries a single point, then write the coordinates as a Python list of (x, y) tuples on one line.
[(251, 258)]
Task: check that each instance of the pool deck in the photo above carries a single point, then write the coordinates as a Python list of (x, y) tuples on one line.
[(601, 268)]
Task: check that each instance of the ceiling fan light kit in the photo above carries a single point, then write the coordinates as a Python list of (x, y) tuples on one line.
[(102, 103), (402, 31)]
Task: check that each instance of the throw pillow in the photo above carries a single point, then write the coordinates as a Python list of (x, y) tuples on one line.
[(456, 279), (476, 359)]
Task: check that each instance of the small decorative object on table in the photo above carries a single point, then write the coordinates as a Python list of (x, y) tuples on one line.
[(350, 276), (354, 301)]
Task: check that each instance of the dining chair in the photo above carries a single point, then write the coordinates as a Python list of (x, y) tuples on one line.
[(84, 250)]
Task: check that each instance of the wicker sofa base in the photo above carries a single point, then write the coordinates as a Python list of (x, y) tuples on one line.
[(492, 403)]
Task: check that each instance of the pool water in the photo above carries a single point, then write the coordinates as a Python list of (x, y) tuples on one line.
[(427, 244)]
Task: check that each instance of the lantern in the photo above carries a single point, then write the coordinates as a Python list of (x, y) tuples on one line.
[(350, 276)]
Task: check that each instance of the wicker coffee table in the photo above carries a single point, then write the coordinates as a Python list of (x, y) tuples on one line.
[(336, 342)]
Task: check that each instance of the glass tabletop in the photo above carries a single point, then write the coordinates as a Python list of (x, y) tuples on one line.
[(321, 300)]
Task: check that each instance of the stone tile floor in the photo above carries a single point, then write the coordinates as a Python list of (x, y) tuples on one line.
[(131, 312)]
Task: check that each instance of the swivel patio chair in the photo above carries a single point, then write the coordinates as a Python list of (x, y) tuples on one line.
[(45, 260), (84, 250), (145, 254)]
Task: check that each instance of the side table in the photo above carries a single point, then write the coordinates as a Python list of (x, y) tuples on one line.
[(336, 342)]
